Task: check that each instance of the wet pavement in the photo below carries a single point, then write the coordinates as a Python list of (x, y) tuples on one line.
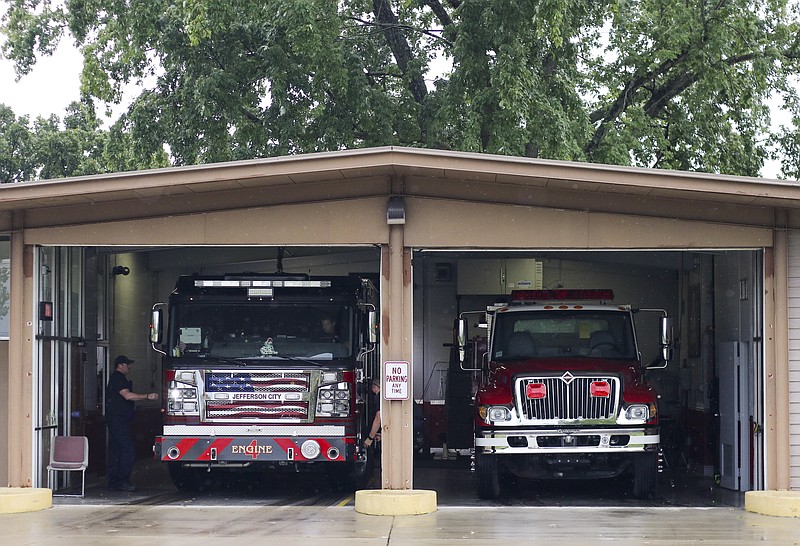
[(298, 509)]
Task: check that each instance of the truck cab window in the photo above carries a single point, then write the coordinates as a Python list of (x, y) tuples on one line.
[(262, 331)]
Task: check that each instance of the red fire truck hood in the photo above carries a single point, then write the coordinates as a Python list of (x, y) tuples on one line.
[(499, 387)]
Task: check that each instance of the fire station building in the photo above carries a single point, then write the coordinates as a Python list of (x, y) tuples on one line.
[(83, 260)]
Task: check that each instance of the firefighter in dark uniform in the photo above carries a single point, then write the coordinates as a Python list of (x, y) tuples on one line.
[(120, 406)]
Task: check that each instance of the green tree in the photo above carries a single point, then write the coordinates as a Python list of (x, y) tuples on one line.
[(16, 157), (654, 83), (77, 145)]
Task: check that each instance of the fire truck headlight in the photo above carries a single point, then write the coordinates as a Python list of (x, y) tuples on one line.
[(310, 449), (637, 412), (498, 413), (334, 400), (181, 400)]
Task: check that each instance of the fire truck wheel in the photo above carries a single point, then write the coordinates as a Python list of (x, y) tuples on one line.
[(488, 476), (353, 476), (357, 475), (645, 472), (362, 471)]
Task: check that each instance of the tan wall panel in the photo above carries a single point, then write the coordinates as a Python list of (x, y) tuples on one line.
[(618, 231), (189, 229), (360, 221), (437, 223), (335, 222)]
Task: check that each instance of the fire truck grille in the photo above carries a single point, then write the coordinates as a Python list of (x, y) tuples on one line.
[(258, 396), (568, 398), (256, 410)]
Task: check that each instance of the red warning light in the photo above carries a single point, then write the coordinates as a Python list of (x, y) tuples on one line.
[(535, 390), (600, 389), (604, 294)]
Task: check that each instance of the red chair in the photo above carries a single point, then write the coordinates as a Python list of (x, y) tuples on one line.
[(69, 454)]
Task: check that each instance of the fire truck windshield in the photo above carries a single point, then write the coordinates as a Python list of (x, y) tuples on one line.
[(563, 334), (262, 330)]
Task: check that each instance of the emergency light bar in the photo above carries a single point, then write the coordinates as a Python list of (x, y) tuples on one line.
[(604, 294), (219, 283), (260, 292)]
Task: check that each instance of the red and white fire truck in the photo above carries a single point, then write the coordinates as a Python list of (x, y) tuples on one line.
[(266, 372), (562, 392)]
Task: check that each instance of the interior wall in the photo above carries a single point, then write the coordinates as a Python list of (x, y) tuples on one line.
[(131, 302), (434, 313), (734, 400)]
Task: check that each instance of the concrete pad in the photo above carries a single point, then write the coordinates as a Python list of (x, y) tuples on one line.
[(773, 503), (389, 502), (15, 500)]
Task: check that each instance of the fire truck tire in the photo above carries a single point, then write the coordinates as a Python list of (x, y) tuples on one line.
[(361, 472), (488, 476), (355, 475), (645, 473)]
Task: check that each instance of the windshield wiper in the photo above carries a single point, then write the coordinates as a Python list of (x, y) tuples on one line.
[(248, 360), (226, 360), (294, 358)]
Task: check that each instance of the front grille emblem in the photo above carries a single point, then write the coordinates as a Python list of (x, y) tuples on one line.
[(567, 378)]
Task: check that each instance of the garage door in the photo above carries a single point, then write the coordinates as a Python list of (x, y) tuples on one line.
[(794, 357)]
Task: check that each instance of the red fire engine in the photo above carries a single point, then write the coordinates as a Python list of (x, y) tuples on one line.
[(266, 372), (562, 393)]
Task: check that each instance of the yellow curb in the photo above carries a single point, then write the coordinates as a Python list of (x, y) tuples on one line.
[(773, 503), (14, 500), (388, 502)]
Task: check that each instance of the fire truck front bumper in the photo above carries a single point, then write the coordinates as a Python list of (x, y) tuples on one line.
[(540, 441), (251, 449)]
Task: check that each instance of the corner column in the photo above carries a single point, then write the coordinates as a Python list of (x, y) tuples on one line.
[(777, 370), (20, 365), (396, 415), (396, 496)]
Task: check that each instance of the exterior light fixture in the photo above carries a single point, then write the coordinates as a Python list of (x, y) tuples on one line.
[(396, 211)]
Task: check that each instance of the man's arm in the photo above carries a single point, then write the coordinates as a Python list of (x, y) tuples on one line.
[(128, 395), (374, 432)]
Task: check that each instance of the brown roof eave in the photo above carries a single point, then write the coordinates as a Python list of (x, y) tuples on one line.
[(401, 161)]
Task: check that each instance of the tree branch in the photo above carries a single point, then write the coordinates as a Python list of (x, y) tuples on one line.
[(435, 34), (438, 10), (392, 30)]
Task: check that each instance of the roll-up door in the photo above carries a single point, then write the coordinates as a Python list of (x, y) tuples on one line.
[(794, 358)]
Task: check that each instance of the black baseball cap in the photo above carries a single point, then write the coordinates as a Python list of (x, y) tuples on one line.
[(122, 359)]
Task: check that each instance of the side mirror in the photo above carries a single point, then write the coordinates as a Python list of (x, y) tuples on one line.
[(460, 331), (372, 327), (155, 326), (666, 339)]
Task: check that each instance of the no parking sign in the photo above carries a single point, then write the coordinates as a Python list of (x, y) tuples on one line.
[(395, 380)]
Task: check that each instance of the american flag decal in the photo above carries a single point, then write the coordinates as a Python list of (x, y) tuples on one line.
[(268, 408)]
